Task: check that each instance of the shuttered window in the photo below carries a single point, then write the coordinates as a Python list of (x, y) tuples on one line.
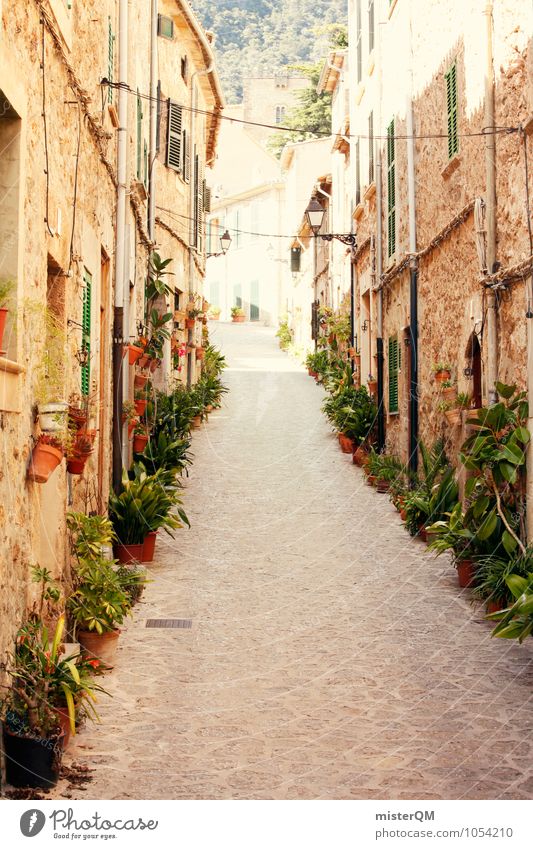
[(186, 157), (359, 39), (145, 166), (86, 333), (174, 136), (451, 107), (371, 22), (391, 190), (110, 59), (394, 366), (165, 26), (357, 173)]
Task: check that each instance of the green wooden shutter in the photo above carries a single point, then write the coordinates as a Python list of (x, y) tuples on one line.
[(186, 158), (174, 136), (145, 163), (139, 135), (451, 107), (391, 190), (394, 364), (110, 59), (86, 332), (200, 204)]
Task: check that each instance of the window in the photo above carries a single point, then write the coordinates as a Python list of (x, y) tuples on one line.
[(371, 20), (186, 157), (145, 164), (357, 173), (451, 107), (174, 136), (359, 40), (198, 212), (139, 134), (254, 300), (110, 59), (184, 69), (86, 333), (391, 190), (371, 148), (296, 254), (280, 114), (165, 26), (394, 367)]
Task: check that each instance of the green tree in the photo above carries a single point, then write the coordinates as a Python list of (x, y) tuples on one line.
[(311, 118)]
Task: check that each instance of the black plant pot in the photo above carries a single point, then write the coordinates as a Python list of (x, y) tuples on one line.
[(32, 762)]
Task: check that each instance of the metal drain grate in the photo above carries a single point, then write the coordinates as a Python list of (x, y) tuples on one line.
[(169, 623)]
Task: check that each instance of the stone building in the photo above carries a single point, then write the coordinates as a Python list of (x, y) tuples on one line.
[(266, 100), (61, 192), (429, 285)]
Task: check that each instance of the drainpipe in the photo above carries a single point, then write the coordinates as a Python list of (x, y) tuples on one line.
[(379, 316), (490, 178), (121, 280), (154, 72), (413, 293)]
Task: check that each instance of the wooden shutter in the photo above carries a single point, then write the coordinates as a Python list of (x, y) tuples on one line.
[(145, 175), (207, 198), (394, 365), (357, 173), (200, 202), (371, 148), (186, 157), (158, 119), (139, 134), (391, 190), (451, 107), (174, 136), (86, 333)]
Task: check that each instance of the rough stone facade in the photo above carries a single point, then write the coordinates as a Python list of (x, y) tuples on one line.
[(451, 298), (58, 181)]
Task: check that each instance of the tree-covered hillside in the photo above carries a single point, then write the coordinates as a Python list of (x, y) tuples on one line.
[(258, 37)]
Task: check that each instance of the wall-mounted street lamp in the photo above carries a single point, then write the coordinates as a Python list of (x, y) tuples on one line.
[(225, 242), (315, 216), (82, 354)]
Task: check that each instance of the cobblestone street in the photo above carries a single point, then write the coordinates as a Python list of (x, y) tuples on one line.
[(330, 655)]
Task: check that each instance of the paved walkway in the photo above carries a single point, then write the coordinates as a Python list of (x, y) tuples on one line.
[(330, 656)]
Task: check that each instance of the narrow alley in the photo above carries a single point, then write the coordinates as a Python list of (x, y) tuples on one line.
[(330, 655)]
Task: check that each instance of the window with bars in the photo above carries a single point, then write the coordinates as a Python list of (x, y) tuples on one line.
[(394, 368), (451, 108), (139, 134), (110, 59), (359, 39), (86, 333), (174, 136), (371, 176), (357, 173), (391, 190), (371, 25)]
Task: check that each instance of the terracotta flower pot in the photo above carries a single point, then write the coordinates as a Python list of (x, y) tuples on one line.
[(359, 456), (76, 465), (346, 444), (382, 485), (44, 460), (196, 421), (132, 553), (189, 323), (101, 646), (200, 353), (312, 373), (453, 416), (131, 428), (442, 375), (3, 317), (64, 722), (140, 381), (144, 361), (149, 547), (403, 514), (154, 364), (450, 393), (77, 417), (238, 319), (493, 606), (466, 573), (134, 353), (372, 386), (371, 479), (209, 408), (140, 406), (140, 441)]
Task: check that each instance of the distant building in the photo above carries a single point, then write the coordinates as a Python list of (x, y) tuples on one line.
[(267, 100)]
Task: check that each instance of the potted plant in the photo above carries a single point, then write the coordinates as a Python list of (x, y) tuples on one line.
[(448, 390), (50, 377), (200, 353), (492, 574), (140, 438), (79, 452), (237, 315), (78, 411), (97, 607), (442, 372), (140, 403), (451, 533), (45, 458), (214, 313), (372, 384), (134, 351), (140, 381), (6, 288), (516, 621)]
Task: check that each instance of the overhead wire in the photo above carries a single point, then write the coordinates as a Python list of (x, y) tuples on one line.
[(316, 133)]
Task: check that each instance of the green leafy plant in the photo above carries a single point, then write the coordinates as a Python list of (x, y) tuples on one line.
[(463, 401), (98, 602), (237, 311), (283, 333), (132, 580), (156, 285), (516, 623), (6, 289), (88, 534), (493, 572), (146, 503), (162, 452), (441, 366)]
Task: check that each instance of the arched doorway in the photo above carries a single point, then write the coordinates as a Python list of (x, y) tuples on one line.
[(473, 356)]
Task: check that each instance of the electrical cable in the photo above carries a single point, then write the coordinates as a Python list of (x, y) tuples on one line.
[(222, 227), (318, 133), (45, 133)]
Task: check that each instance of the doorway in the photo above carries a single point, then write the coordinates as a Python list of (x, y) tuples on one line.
[(254, 300)]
